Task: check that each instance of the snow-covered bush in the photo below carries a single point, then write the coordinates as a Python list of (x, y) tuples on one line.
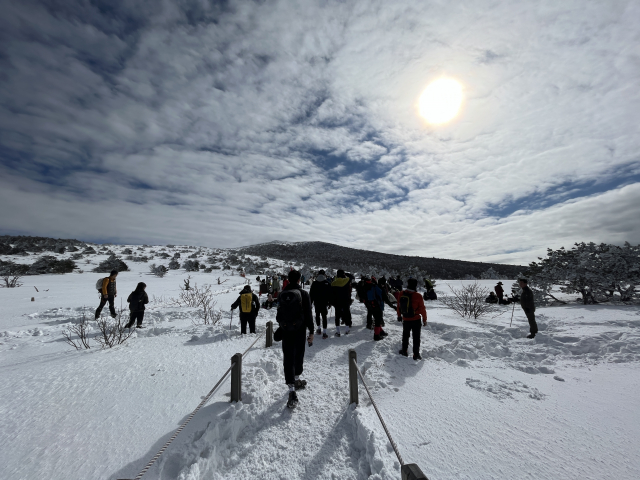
[(50, 264), (164, 255), (127, 251), (191, 266), (469, 302), (81, 331), (174, 265), (489, 274), (201, 298), (113, 331), (89, 251), (176, 255), (112, 263), (143, 259), (158, 271), (597, 272)]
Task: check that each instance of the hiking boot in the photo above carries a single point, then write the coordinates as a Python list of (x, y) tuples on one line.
[(369, 327), (113, 315), (400, 319), (531, 335), (318, 331), (377, 338), (347, 332), (325, 336), (337, 334), (293, 400), (416, 356), (139, 326), (383, 333), (300, 384), (403, 353)]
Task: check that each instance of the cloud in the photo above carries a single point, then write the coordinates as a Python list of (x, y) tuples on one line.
[(227, 124)]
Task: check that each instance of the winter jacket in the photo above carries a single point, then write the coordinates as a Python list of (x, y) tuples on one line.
[(499, 291), (417, 302), (526, 299), (306, 305), (427, 284), (276, 284), (373, 295), (255, 305), (319, 291), (109, 287), (341, 292), (137, 301)]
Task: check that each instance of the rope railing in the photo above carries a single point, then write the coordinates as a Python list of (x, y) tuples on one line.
[(409, 471), (236, 394)]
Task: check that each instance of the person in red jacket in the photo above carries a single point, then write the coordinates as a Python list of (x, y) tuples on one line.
[(411, 307)]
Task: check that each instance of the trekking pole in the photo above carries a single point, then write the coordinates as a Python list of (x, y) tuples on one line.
[(231, 320), (512, 310)]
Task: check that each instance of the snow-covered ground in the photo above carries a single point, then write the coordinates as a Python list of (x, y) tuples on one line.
[(484, 403)]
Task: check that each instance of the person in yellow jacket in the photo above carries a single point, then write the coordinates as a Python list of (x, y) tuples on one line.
[(108, 293)]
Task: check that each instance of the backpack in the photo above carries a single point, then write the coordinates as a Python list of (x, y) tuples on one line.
[(371, 295), (246, 300), (289, 314), (406, 305), (99, 284)]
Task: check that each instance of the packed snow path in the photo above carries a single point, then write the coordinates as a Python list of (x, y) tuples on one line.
[(484, 402)]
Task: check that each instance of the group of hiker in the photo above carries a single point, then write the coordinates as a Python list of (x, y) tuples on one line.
[(136, 300), (497, 296), (295, 316)]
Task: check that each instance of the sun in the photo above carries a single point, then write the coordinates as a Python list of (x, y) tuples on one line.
[(441, 100)]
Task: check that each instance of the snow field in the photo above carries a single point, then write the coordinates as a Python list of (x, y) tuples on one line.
[(484, 403)]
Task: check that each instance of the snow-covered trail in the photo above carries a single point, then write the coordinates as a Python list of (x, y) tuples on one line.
[(323, 437), (484, 403)]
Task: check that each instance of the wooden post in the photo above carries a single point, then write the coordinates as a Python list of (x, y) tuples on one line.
[(269, 334), (412, 471), (236, 378), (353, 377)]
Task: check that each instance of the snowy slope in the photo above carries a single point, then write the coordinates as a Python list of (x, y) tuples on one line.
[(484, 402)]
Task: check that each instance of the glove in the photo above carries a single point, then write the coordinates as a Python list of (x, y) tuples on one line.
[(310, 339)]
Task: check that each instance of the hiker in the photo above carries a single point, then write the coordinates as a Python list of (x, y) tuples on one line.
[(108, 293), (491, 298), (137, 300), (430, 293), (249, 304), (268, 303), (375, 307), (295, 318), (275, 285), (285, 281), (263, 287), (500, 293), (302, 280), (529, 307), (411, 307), (319, 294), (340, 298)]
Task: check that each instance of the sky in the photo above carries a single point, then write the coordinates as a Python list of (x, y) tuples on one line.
[(225, 124)]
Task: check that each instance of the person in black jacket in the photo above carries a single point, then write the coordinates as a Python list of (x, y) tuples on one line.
[(137, 300), (319, 294), (249, 304), (529, 307), (340, 298), (295, 318)]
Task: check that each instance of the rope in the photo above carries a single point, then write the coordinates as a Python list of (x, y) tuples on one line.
[(254, 342), (177, 432), (384, 425)]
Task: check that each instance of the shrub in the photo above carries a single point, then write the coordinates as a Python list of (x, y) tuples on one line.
[(112, 263), (174, 265), (191, 266), (112, 331), (81, 331), (158, 271), (469, 302), (49, 264)]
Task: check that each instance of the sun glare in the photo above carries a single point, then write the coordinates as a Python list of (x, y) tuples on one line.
[(441, 101)]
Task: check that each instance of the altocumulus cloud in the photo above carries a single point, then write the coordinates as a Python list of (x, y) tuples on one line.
[(229, 123)]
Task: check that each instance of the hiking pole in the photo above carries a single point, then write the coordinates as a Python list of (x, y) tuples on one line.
[(512, 310), (231, 320)]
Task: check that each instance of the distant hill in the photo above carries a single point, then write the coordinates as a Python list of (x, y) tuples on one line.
[(354, 260)]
